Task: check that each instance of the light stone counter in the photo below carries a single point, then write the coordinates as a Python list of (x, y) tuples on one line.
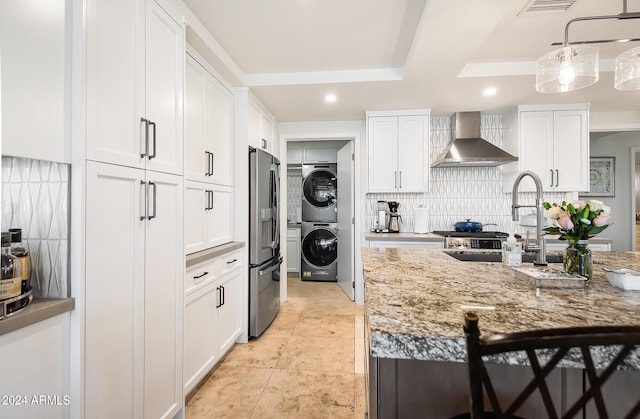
[(416, 298)]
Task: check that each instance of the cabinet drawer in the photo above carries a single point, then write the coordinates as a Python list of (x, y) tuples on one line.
[(200, 274), (228, 262)]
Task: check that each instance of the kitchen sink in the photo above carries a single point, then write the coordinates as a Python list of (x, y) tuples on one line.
[(489, 256)]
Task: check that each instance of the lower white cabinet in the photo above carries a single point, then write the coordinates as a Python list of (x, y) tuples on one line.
[(561, 247), (208, 217), (133, 293), (293, 250), (384, 244), (213, 314)]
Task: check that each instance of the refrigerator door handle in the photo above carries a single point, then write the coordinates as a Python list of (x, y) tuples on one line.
[(274, 185), (271, 268)]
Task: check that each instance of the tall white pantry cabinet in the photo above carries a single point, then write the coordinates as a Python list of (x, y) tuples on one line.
[(134, 211)]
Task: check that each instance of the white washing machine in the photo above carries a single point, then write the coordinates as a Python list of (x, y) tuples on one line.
[(319, 251), (319, 192)]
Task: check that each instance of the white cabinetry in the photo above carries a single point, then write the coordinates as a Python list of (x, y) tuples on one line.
[(261, 127), (319, 154), (134, 266), (397, 151), (543, 137), (294, 154), (213, 314), (293, 250), (134, 295), (135, 67), (208, 218), (384, 244), (34, 68), (208, 158), (208, 122)]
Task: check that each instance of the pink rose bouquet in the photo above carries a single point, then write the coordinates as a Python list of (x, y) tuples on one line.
[(577, 220)]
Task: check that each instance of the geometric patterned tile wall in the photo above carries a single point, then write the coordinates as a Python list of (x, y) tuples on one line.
[(294, 191), (458, 193), (35, 197)]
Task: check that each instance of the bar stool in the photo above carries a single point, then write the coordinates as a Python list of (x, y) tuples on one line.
[(627, 338)]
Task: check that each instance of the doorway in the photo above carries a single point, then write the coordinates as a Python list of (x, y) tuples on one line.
[(299, 151)]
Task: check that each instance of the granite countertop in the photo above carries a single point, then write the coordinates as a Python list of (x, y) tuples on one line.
[(416, 300)]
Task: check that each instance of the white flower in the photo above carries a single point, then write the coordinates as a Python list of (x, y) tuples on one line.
[(596, 205), (553, 212)]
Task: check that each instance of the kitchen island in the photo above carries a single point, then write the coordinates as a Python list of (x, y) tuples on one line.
[(415, 302)]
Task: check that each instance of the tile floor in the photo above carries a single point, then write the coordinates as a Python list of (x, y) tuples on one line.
[(308, 364)]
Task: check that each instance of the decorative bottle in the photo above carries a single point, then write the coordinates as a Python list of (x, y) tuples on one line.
[(19, 250), (10, 284), (511, 251)]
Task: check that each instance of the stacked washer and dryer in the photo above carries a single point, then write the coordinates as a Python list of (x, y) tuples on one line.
[(319, 234)]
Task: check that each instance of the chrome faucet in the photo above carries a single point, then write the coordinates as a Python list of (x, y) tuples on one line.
[(540, 248)]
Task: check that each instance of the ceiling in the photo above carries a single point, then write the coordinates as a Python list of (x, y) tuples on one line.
[(407, 54)]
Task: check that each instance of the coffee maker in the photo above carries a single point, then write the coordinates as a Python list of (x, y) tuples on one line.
[(394, 218)]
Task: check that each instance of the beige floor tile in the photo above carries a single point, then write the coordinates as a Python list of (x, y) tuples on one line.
[(229, 393), (263, 352), (317, 353), (301, 367), (325, 325), (360, 401), (284, 323), (307, 394)]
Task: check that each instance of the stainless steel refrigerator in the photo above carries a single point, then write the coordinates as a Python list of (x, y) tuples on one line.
[(264, 240)]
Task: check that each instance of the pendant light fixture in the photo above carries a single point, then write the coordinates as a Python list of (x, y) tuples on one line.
[(627, 75), (576, 65)]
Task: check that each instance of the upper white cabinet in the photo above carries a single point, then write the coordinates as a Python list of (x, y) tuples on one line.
[(135, 67), (397, 151), (261, 127), (208, 126), (294, 154), (208, 214), (33, 79), (552, 142)]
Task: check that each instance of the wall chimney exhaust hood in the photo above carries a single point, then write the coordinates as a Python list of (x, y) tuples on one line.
[(467, 148)]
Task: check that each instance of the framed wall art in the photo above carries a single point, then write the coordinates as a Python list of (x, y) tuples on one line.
[(602, 176)]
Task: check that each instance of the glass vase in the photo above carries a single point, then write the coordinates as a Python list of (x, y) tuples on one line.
[(578, 260)]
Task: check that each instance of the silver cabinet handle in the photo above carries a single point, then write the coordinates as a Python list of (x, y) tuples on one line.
[(395, 179), (551, 170), (153, 124), (219, 302), (557, 177), (146, 200), (209, 205), (146, 138), (147, 124), (155, 202), (264, 143), (231, 261), (400, 179), (210, 158)]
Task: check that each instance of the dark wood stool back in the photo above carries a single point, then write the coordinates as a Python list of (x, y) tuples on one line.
[(627, 338)]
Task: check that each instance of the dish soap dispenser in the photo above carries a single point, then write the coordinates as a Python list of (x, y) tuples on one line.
[(511, 251)]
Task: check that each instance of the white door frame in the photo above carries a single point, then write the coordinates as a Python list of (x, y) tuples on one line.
[(634, 150), (356, 137)]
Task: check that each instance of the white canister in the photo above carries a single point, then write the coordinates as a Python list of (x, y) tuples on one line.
[(421, 220)]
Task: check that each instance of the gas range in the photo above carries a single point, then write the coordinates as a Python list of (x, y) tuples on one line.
[(472, 240)]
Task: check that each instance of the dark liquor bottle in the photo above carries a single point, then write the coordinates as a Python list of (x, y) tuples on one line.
[(10, 286), (19, 250)]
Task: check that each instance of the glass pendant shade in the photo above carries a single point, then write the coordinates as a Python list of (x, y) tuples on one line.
[(568, 68), (627, 75)]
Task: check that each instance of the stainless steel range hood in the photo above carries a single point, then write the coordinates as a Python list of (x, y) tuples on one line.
[(467, 148)]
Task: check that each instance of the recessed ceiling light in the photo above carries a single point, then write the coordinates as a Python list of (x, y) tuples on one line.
[(330, 98), (489, 91)]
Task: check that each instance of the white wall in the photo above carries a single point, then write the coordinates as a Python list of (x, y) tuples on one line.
[(618, 145)]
